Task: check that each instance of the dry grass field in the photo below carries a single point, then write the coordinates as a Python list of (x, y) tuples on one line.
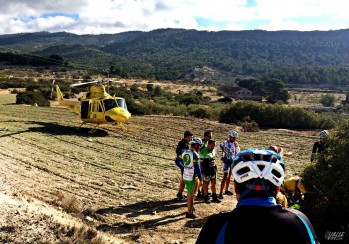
[(63, 185)]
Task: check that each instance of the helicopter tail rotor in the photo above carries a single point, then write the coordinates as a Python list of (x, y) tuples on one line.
[(59, 94)]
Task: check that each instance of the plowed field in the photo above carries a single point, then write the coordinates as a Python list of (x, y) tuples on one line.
[(119, 183)]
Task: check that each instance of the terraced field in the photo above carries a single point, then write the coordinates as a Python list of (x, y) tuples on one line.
[(119, 183)]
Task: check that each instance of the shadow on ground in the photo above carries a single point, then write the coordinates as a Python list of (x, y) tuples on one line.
[(53, 128), (154, 209)]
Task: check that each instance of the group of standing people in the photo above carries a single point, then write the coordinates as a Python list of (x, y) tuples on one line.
[(259, 175), (197, 160)]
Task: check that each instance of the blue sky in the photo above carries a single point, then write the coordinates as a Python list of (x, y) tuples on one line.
[(114, 16)]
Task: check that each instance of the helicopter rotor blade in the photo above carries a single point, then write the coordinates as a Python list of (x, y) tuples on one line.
[(85, 83)]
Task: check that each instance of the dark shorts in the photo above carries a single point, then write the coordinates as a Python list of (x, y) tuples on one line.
[(227, 166), (210, 174)]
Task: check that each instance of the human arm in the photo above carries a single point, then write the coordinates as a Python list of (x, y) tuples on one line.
[(179, 163), (237, 147), (218, 151)]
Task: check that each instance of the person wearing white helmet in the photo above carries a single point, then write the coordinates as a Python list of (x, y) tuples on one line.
[(320, 145), (227, 151), (258, 175), (192, 173), (182, 146)]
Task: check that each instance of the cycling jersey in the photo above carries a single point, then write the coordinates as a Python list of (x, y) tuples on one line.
[(192, 172), (208, 164), (207, 159), (318, 147), (229, 150), (258, 221), (191, 165)]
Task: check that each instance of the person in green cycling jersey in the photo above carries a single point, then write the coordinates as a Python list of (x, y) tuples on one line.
[(209, 171), (192, 173), (207, 136)]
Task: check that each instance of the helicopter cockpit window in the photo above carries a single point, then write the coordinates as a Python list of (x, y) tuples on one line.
[(109, 104), (121, 103)]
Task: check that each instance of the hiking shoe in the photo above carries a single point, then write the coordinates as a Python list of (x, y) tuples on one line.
[(216, 200), (190, 215), (207, 199), (199, 194), (229, 193), (220, 196), (181, 198)]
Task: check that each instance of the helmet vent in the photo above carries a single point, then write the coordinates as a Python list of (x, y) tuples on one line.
[(276, 173), (266, 158), (261, 167), (243, 170)]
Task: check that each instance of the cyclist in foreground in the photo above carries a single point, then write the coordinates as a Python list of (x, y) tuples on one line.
[(258, 174)]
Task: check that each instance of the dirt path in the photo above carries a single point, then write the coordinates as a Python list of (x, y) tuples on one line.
[(118, 185)]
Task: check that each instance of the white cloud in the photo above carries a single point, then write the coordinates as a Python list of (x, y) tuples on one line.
[(113, 16)]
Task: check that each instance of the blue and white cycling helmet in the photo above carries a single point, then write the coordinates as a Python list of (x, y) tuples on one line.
[(324, 134), (233, 133), (254, 163), (195, 140)]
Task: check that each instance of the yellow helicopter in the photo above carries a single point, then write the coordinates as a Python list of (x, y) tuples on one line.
[(97, 106)]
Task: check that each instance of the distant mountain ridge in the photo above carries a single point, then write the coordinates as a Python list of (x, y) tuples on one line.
[(314, 57)]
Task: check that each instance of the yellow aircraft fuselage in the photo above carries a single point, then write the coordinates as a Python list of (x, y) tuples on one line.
[(97, 106)]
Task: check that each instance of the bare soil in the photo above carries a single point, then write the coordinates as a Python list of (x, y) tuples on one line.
[(59, 184)]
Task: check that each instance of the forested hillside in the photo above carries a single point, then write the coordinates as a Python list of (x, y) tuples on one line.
[(315, 57)]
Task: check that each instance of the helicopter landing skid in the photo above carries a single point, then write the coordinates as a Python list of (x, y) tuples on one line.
[(121, 125), (93, 129), (90, 131)]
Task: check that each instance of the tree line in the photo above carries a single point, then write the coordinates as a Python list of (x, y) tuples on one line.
[(315, 57)]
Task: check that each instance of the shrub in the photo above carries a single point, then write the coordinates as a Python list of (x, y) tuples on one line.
[(327, 179), (275, 116), (328, 100), (32, 98)]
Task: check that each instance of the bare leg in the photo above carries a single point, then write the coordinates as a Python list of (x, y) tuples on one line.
[(205, 188), (190, 203), (227, 182), (223, 182), (181, 186), (213, 186)]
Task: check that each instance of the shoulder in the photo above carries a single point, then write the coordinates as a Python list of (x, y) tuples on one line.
[(213, 227), (317, 143)]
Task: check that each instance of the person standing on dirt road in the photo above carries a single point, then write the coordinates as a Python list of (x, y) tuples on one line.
[(209, 171), (207, 136), (229, 149), (320, 145), (258, 174), (192, 174), (182, 146)]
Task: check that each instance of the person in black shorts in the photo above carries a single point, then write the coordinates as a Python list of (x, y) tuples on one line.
[(258, 174)]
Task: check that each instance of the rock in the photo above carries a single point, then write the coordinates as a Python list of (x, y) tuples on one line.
[(88, 218)]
